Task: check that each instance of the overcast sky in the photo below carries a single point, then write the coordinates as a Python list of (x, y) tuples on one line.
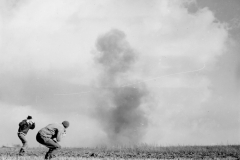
[(163, 72)]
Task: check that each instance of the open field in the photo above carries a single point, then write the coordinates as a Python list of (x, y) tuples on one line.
[(134, 152)]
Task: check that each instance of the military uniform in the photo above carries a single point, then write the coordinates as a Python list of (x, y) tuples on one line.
[(24, 126)]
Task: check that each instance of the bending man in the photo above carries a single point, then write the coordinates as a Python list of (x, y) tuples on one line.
[(24, 126), (50, 135)]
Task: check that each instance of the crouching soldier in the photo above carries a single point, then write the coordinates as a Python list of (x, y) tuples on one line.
[(50, 135), (24, 126)]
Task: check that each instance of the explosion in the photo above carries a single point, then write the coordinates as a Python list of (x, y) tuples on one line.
[(118, 108)]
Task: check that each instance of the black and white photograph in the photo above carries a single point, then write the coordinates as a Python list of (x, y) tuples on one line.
[(119, 79)]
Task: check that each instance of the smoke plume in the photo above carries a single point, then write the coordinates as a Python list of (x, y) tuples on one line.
[(118, 108)]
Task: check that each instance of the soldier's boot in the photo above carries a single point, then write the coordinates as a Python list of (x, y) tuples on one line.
[(21, 152)]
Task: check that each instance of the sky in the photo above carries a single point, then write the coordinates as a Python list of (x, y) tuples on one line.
[(159, 72)]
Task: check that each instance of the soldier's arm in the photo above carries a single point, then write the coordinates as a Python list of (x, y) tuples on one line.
[(22, 123), (32, 126), (59, 135)]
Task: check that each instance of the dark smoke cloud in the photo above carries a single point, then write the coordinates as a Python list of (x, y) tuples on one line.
[(118, 108), (116, 56)]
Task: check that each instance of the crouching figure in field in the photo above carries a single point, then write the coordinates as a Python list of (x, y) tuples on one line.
[(24, 126), (50, 135)]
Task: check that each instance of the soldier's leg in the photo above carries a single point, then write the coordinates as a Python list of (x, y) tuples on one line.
[(53, 148), (24, 142), (52, 145)]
